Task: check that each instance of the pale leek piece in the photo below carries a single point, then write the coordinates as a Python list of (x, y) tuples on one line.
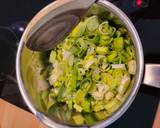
[(92, 23)]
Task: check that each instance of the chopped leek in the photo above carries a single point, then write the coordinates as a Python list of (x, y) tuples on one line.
[(79, 30), (78, 107), (112, 56), (124, 84), (109, 95), (132, 67), (92, 23), (91, 72), (78, 119), (102, 50), (118, 43), (52, 57), (104, 28), (101, 115)]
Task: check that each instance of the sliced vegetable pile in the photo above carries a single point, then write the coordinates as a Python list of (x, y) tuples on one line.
[(90, 72)]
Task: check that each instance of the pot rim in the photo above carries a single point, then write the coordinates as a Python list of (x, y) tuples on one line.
[(140, 62)]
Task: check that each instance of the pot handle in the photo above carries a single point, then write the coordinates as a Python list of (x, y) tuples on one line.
[(152, 75)]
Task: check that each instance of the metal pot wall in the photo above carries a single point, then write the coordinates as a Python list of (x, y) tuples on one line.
[(30, 81)]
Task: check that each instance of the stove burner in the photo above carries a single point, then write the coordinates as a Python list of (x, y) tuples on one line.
[(8, 83), (9, 91), (7, 50)]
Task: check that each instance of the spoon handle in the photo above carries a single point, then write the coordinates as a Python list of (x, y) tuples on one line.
[(54, 23)]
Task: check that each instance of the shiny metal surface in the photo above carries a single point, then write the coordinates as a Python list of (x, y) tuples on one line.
[(152, 75), (140, 65), (49, 22)]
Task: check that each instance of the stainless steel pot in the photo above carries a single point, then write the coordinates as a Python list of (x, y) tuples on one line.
[(27, 84)]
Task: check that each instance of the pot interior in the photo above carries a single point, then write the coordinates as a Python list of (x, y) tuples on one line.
[(32, 66)]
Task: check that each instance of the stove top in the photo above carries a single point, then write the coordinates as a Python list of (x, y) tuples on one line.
[(146, 19)]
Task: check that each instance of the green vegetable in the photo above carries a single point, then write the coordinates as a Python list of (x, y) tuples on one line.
[(112, 56), (61, 93), (132, 67), (52, 57), (105, 40), (80, 95), (104, 28), (86, 105), (92, 23), (124, 84), (78, 119), (111, 104), (74, 79), (119, 43), (91, 73), (101, 115), (98, 106), (108, 79), (70, 104), (79, 30), (78, 108), (86, 85), (114, 108), (93, 38), (102, 50), (89, 119), (44, 95), (88, 61), (109, 95), (51, 101)]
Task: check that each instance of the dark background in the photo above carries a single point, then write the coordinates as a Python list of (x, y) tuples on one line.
[(147, 21), (19, 10)]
